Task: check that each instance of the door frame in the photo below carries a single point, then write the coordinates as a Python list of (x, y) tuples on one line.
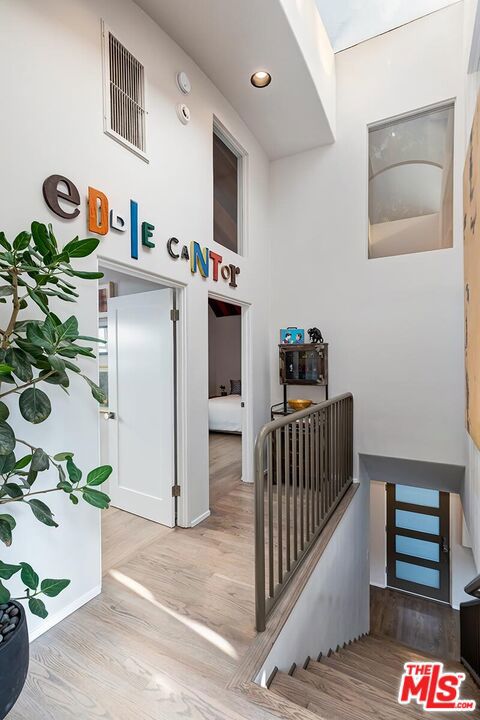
[(443, 594), (180, 368), (246, 378)]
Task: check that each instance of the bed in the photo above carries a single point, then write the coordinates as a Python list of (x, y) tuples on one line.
[(225, 414)]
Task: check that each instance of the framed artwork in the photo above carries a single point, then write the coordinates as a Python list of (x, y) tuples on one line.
[(105, 292), (471, 240), (292, 336)]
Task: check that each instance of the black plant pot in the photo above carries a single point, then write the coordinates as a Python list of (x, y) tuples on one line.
[(14, 657)]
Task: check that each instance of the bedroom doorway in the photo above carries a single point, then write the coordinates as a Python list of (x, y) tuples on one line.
[(225, 403)]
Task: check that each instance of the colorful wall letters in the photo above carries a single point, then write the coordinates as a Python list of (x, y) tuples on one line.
[(102, 219)]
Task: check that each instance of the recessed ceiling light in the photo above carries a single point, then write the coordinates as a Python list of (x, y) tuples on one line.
[(261, 79)]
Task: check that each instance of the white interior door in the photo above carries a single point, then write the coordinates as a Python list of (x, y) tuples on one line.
[(141, 401)]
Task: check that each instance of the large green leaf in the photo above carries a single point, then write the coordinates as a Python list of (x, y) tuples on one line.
[(81, 248), (6, 571), (7, 524), (42, 512), (41, 239), (13, 490), (7, 439), (20, 364), (98, 475), (52, 587), (34, 405), (22, 241), (4, 411), (7, 463), (69, 329), (40, 299), (4, 594), (57, 363), (37, 607), (28, 576), (87, 275), (6, 290), (97, 392), (4, 242), (96, 498), (60, 457), (40, 460), (23, 462), (74, 473), (37, 337)]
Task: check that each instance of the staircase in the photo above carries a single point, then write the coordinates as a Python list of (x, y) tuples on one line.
[(359, 681)]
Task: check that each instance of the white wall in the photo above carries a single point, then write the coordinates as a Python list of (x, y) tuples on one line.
[(53, 88), (334, 605), (471, 496), (395, 325), (224, 351)]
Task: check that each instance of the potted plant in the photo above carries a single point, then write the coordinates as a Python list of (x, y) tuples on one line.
[(36, 353)]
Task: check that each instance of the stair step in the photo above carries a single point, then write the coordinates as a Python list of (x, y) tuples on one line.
[(356, 667), (313, 699), (349, 687), (360, 673), (357, 695)]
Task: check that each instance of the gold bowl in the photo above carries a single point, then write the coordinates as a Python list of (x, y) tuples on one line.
[(300, 404)]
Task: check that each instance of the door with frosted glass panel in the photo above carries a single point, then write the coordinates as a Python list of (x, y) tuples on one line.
[(418, 528)]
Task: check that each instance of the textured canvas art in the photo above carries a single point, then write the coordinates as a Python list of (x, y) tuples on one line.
[(471, 229)]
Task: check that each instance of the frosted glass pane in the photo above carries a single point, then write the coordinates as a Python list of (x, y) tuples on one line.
[(417, 548), (410, 184), (417, 574), (417, 521), (417, 496)]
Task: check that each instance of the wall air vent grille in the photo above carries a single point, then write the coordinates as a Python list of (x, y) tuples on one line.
[(126, 90)]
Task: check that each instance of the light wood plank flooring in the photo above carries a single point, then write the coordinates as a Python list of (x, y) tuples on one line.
[(173, 621)]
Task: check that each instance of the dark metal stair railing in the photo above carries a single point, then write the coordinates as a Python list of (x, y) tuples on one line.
[(303, 467)]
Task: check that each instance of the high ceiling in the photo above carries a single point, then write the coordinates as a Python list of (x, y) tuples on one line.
[(349, 22)]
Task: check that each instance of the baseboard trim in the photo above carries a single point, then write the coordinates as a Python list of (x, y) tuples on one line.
[(57, 617), (200, 518)]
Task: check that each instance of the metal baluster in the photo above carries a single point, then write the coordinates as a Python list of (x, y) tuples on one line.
[(312, 471), (301, 480), (271, 577), (278, 453), (306, 425), (287, 493), (294, 483)]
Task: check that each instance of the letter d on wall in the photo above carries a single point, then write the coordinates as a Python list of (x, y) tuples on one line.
[(97, 212)]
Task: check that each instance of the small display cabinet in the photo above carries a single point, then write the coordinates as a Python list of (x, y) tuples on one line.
[(304, 364), (301, 365)]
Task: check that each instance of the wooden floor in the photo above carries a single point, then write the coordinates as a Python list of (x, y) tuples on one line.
[(426, 625), (173, 620)]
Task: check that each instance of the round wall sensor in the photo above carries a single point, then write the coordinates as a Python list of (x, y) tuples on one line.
[(183, 113), (183, 82)]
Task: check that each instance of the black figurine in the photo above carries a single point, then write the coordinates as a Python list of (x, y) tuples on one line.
[(315, 335)]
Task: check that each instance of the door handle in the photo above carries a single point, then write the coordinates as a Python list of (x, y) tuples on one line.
[(109, 415), (444, 545)]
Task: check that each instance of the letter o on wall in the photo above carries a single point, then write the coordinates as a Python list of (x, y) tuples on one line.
[(225, 272), (52, 194)]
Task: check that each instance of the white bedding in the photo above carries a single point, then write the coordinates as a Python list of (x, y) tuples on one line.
[(225, 414)]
